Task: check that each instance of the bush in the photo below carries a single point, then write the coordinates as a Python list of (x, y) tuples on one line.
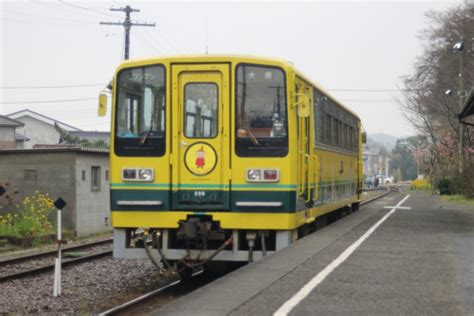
[(31, 218), (420, 184), (445, 186)]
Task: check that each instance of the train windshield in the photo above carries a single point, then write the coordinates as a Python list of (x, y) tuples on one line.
[(140, 112), (141, 102), (261, 118)]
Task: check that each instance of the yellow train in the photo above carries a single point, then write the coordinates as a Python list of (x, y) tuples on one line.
[(224, 158)]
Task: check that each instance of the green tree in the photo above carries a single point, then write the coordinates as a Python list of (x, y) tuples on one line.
[(403, 160), (74, 140)]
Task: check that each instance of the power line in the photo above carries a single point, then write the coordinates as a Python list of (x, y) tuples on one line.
[(127, 25), (53, 24), (48, 101), (62, 6), (38, 17), (84, 8), (57, 87), (148, 42)]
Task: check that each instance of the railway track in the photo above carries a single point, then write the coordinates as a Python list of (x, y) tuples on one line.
[(12, 264), (132, 306), (153, 299)]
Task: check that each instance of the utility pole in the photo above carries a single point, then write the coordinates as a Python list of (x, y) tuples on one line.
[(127, 25), (459, 48)]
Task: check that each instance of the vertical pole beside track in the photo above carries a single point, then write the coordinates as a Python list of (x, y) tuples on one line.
[(59, 204)]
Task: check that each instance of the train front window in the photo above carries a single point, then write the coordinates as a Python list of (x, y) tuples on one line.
[(261, 114), (140, 112), (200, 120)]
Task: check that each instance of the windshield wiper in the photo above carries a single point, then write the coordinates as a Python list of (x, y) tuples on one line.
[(252, 136), (145, 137)]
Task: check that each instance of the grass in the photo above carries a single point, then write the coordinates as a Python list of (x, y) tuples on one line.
[(458, 198)]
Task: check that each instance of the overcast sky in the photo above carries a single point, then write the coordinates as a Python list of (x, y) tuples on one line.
[(362, 46)]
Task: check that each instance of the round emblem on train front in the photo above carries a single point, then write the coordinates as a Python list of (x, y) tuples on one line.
[(200, 159)]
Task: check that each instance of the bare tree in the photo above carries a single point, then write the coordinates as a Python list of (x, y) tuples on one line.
[(432, 111)]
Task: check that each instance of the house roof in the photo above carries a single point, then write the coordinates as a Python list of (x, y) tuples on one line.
[(43, 118), (6, 121)]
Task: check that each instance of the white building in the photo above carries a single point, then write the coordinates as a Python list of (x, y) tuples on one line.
[(38, 128), (79, 175), (9, 137)]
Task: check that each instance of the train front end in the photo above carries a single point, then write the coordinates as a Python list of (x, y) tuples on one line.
[(201, 163)]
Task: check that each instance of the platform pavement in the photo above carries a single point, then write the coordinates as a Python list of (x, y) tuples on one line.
[(419, 261)]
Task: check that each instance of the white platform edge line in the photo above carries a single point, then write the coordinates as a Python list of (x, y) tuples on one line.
[(140, 203), (268, 204), (315, 281), (399, 207)]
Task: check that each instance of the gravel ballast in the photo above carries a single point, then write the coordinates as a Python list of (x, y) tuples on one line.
[(86, 288)]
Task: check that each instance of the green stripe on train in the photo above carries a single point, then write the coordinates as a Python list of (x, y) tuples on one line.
[(287, 198)]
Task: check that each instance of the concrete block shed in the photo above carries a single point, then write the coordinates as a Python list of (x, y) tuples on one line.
[(79, 175)]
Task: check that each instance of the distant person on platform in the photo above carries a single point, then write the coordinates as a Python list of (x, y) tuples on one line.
[(376, 184)]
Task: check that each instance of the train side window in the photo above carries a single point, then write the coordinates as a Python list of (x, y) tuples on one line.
[(318, 101), (335, 132), (351, 144), (341, 134), (328, 137), (345, 134)]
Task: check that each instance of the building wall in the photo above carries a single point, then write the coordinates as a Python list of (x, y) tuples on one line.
[(60, 175), (93, 206), (51, 173), (39, 132), (20, 145), (371, 164), (7, 137)]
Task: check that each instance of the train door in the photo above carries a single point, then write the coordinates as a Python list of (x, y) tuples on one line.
[(304, 97), (200, 137)]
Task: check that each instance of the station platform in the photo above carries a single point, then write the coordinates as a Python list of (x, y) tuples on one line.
[(418, 260)]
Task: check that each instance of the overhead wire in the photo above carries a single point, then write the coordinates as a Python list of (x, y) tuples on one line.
[(47, 101), (62, 6), (56, 87), (55, 24), (87, 9), (49, 18), (142, 37)]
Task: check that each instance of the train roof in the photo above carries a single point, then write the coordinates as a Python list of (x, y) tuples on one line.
[(232, 58)]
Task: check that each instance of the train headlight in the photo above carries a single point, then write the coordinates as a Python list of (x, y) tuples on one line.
[(136, 174), (263, 175), (145, 174), (254, 175)]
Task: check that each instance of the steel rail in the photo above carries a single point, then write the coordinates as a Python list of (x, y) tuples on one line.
[(21, 274), (144, 297), (53, 252), (388, 191)]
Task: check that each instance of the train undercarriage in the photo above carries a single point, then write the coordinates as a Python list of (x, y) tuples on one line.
[(199, 240)]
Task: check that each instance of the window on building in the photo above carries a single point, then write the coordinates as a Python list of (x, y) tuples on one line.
[(30, 175), (106, 175), (95, 179), (83, 175)]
